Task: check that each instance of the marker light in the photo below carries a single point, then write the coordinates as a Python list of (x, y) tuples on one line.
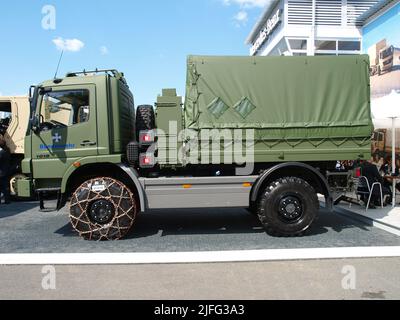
[(147, 137), (77, 164), (147, 160)]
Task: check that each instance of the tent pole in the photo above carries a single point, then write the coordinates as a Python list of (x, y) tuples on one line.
[(394, 159)]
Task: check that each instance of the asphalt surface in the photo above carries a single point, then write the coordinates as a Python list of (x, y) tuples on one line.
[(327, 279), (23, 229)]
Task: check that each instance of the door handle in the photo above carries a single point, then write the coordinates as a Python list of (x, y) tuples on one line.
[(88, 143)]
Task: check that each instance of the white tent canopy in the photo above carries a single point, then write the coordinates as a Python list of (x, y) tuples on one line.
[(384, 109)]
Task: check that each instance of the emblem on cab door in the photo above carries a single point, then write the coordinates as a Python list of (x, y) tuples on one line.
[(57, 138)]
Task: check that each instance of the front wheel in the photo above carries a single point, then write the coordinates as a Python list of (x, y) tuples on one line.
[(103, 209), (288, 207)]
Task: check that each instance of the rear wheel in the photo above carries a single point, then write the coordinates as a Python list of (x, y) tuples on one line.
[(252, 209), (288, 207), (103, 209)]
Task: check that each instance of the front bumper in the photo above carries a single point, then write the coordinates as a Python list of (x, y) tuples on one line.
[(24, 188)]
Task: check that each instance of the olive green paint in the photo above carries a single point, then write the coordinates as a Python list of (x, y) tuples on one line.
[(300, 108)]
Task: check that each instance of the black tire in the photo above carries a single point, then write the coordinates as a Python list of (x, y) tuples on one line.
[(103, 209), (145, 119), (288, 207)]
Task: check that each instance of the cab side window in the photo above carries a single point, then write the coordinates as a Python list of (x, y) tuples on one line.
[(65, 108)]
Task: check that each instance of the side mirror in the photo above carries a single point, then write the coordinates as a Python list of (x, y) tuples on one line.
[(36, 124), (31, 92)]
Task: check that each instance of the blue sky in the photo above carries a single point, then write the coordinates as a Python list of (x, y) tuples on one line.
[(147, 40), (385, 27)]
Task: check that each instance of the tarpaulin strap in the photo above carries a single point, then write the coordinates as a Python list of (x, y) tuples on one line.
[(294, 144), (362, 143), (259, 137), (271, 145), (338, 144), (317, 144), (267, 126), (193, 98), (194, 94), (194, 75)]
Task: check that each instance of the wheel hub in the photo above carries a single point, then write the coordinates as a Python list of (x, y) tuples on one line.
[(290, 208), (101, 211)]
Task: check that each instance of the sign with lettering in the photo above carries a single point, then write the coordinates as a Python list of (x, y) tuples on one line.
[(265, 33)]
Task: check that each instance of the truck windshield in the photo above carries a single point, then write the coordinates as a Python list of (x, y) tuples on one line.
[(5, 116), (387, 53), (65, 107)]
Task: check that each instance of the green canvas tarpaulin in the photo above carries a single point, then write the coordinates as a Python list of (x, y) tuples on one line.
[(294, 97)]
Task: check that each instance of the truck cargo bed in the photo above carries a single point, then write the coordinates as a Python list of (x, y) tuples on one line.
[(301, 108)]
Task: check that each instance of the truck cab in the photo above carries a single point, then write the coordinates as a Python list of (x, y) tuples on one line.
[(84, 118), (14, 119)]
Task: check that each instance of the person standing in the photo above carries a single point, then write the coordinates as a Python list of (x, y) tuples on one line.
[(4, 170)]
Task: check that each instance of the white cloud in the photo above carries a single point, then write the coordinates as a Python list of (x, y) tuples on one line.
[(104, 50), (247, 3), (72, 45), (241, 18)]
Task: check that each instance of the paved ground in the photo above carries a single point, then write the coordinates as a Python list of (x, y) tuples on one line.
[(23, 229), (328, 279)]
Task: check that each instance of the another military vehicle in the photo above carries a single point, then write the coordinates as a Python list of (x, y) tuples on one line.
[(254, 132), (382, 142), (14, 119), (381, 57)]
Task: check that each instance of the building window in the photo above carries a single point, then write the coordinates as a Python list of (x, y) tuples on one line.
[(337, 47), (325, 45), (281, 49), (298, 44), (349, 45), (326, 54)]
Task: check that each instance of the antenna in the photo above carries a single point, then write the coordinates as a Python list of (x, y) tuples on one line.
[(58, 65)]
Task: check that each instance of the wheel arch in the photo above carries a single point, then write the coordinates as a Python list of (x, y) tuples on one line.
[(76, 176), (296, 169)]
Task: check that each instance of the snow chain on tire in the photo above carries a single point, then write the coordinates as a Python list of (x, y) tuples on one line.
[(122, 200)]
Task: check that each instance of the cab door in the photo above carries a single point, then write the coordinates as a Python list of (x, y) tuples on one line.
[(67, 130)]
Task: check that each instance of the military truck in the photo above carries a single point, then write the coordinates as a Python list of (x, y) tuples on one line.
[(382, 142), (381, 57), (254, 132), (14, 119)]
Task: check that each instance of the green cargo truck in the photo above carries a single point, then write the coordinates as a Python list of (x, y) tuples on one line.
[(253, 132)]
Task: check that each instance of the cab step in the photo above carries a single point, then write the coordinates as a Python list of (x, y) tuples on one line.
[(41, 193)]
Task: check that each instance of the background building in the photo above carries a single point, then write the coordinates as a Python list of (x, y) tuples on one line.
[(381, 40), (338, 27), (310, 27)]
